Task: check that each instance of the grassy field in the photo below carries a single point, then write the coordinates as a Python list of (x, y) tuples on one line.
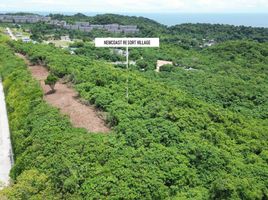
[(2, 30), (60, 43)]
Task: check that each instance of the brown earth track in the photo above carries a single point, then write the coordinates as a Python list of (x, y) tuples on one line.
[(65, 99)]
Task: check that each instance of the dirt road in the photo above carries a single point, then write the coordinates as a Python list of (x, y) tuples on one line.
[(65, 98), (11, 35)]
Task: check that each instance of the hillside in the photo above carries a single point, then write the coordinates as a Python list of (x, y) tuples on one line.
[(167, 142), (195, 130), (220, 32), (232, 74), (184, 35), (42, 31), (146, 25)]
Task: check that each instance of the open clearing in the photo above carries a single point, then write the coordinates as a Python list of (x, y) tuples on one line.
[(65, 98), (60, 43)]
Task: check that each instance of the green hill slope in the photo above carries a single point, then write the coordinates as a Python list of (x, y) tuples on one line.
[(165, 143)]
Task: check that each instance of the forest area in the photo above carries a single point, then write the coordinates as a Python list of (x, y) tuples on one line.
[(195, 130)]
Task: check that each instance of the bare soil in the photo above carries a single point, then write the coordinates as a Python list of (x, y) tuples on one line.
[(66, 99)]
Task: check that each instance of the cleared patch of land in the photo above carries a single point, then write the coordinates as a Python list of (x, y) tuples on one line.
[(60, 43), (65, 98)]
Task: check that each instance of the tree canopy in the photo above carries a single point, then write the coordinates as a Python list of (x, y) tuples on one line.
[(165, 142), (195, 130)]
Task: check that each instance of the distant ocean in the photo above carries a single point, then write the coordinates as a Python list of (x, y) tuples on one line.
[(254, 20), (170, 19)]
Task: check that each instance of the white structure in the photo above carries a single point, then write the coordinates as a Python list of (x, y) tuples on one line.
[(6, 157), (127, 43), (120, 52), (65, 38), (161, 63), (26, 39)]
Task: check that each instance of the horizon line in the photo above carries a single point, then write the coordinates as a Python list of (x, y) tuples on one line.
[(130, 12)]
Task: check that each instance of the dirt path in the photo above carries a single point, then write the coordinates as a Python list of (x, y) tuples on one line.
[(65, 98)]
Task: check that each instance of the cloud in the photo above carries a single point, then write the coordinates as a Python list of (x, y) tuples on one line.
[(136, 6)]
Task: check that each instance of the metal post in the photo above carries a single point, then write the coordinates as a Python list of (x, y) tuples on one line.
[(127, 74)]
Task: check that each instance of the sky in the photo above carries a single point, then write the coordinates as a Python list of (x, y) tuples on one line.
[(138, 6)]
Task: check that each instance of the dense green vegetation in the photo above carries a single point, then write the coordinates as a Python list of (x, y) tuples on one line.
[(89, 50), (219, 32), (196, 130), (42, 31), (51, 81), (147, 26), (233, 75), (165, 144), (183, 34), (187, 36)]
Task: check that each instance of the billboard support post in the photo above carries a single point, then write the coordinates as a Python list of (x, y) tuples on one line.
[(127, 42), (127, 72)]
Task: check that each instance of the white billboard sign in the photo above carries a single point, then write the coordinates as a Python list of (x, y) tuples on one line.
[(127, 42)]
